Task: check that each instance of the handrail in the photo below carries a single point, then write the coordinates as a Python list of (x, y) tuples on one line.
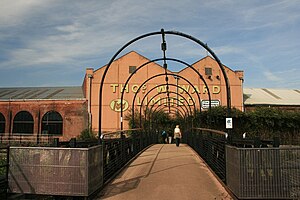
[(119, 131), (19, 138), (212, 130)]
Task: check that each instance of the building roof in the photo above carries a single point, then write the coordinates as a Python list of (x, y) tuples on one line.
[(263, 96), (252, 96), (42, 93)]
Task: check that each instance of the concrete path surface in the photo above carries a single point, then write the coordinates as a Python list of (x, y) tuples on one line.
[(165, 171)]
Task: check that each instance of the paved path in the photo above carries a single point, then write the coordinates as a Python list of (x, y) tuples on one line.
[(165, 171)]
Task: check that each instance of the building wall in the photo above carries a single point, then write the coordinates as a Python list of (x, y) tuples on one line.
[(119, 72), (73, 112)]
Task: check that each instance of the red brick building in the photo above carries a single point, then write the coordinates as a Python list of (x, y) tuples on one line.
[(64, 112), (37, 112)]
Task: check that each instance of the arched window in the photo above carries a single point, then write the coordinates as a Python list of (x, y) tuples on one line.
[(2, 123), (52, 123), (23, 123)]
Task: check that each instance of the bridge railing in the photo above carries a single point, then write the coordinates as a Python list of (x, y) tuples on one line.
[(121, 146), (25, 139), (264, 173), (210, 145), (251, 168)]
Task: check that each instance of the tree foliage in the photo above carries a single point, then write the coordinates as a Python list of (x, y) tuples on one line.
[(87, 134), (262, 122)]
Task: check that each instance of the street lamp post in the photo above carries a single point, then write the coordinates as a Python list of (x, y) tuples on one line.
[(176, 78)]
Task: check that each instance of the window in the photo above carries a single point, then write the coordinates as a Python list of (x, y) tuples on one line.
[(52, 123), (2, 123), (208, 71), (132, 69), (23, 123)]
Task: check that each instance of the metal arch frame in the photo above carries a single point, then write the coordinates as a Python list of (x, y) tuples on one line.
[(183, 114), (163, 74), (146, 105), (182, 110), (161, 104), (162, 32), (199, 99), (189, 111), (172, 112), (171, 59)]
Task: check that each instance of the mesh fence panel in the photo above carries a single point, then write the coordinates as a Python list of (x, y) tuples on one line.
[(54, 171), (210, 146), (264, 173)]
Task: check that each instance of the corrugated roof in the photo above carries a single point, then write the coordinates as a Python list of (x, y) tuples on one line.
[(41, 93), (252, 96), (264, 96)]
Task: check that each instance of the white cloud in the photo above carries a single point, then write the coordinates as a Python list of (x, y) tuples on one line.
[(271, 76), (254, 35), (15, 12)]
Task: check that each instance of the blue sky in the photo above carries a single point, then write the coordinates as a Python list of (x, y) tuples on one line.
[(52, 42)]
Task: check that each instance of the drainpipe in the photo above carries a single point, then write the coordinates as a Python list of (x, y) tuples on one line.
[(90, 76)]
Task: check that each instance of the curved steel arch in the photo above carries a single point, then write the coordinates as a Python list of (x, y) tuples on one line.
[(173, 98), (164, 93), (162, 32), (157, 75), (173, 112), (160, 100), (181, 113), (189, 111), (171, 59), (162, 105), (183, 110)]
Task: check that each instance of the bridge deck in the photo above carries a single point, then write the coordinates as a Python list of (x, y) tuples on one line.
[(165, 171)]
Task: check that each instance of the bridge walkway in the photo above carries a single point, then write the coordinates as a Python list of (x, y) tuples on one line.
[(165, 171)]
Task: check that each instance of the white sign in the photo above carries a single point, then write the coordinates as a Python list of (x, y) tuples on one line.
[(205, 103), (229, 122)]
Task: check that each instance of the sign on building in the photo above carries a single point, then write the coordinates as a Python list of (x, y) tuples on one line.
[(205, 103)]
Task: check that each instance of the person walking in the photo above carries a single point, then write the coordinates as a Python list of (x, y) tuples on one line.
[(164, 136), (177, 135)]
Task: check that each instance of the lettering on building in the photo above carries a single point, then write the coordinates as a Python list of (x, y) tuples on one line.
[(215, 89)]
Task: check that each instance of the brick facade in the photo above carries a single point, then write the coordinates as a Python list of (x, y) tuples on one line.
[(73, 112)]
